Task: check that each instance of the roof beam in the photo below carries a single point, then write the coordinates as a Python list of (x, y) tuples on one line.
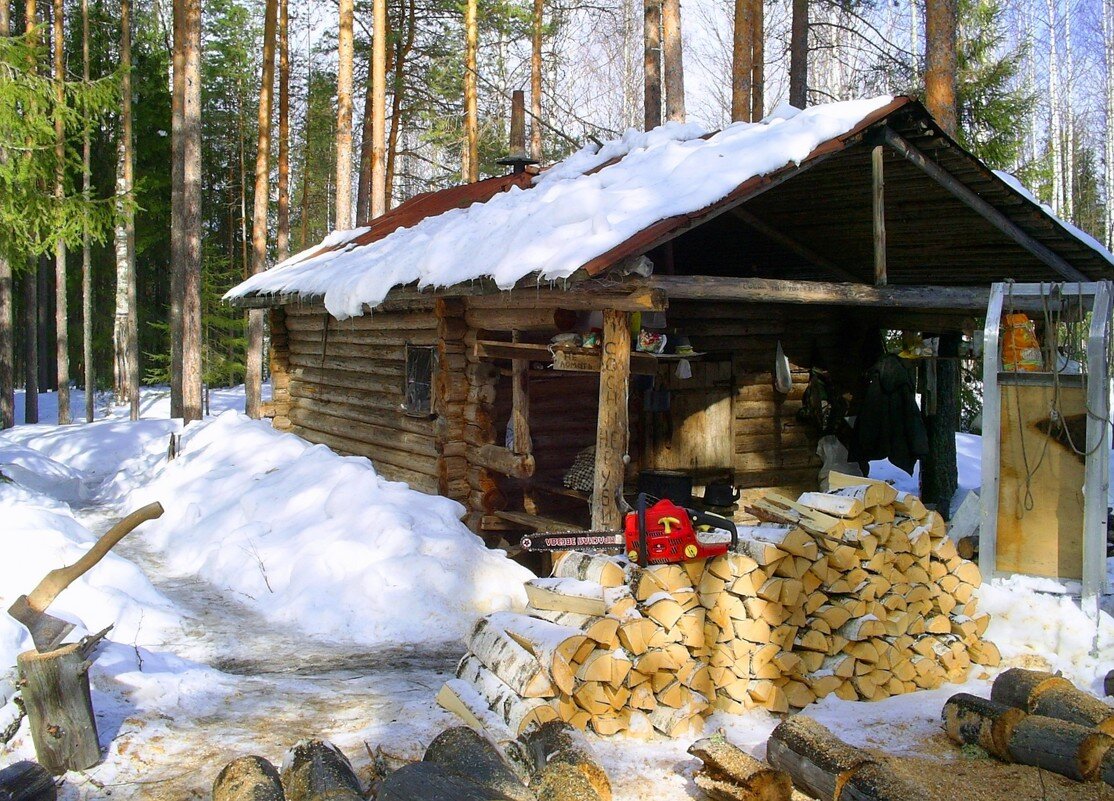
[(996, 218), (771, 290), (809, 255)]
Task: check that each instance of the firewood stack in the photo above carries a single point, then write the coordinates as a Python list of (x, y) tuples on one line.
[(857, 591)]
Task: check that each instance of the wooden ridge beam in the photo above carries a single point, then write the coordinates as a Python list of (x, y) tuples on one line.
[(980, 206), (809, 255)]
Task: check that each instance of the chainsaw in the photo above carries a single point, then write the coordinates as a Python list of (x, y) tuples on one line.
[(664, 533)]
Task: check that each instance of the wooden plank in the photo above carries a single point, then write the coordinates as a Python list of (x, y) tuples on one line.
[(573, 359), (878, 213), (612, 427)]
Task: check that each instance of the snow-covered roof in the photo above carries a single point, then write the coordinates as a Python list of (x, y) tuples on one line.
[(577, 213)]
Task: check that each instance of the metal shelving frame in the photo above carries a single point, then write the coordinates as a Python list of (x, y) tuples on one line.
[(1096, 297)]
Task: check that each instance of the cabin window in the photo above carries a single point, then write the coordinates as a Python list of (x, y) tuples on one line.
[(419, 380)]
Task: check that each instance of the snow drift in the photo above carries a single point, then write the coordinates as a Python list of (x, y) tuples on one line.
[(320, 541)]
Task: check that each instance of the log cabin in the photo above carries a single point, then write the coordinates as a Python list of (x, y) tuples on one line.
[(429, 339)]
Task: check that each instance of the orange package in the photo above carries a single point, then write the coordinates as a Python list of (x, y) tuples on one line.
[(1020, 349)]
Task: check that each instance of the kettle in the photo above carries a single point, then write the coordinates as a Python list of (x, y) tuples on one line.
[(720, 493)]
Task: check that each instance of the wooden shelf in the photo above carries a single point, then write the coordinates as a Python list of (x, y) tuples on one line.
[(574, 359)]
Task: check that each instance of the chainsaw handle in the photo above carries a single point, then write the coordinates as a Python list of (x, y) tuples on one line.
[(701, 518)]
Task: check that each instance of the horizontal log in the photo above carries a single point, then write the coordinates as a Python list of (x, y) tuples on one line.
[(371, 352), (403, 466), (525, 319), (502, 460), (342, 422), (988, 724), (464, 752), (1061, 747), (351, 379), (1021, 688), (361, 411), (770, 290)]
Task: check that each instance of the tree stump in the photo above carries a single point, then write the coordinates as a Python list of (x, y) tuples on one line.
[(461, 751), (59, 708), (27, 781), (554, 744), (315, 770), (249, 778)]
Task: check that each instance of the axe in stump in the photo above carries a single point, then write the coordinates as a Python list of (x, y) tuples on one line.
[(46, 630)]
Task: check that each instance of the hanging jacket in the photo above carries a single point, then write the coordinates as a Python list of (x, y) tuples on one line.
[(889, 424)]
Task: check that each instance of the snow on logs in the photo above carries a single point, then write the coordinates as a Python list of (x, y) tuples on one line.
[(1037, 718), (857, 591)]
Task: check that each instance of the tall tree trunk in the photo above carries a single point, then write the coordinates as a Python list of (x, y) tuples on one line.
[(742, 62), (1056, 142), (798, 55), (940, 62), (282, 235), (177, 208), (470, 168), (61, 316), (31, 343), (651, 70), (363, 180), (536, 82), (673, 61), (1065, 88), (86, 252), (187, 221), (403, 46), (1108, 89), (125, 328), (253, 381), (7, 323), (344, 117), (758, 61), (379, 109)]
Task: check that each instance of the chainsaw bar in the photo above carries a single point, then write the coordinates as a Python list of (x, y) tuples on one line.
[(576, 541)]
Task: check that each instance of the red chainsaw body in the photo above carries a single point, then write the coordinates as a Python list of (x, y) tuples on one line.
[(670, 536)]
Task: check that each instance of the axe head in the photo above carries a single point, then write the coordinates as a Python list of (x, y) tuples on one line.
[(46, 630)]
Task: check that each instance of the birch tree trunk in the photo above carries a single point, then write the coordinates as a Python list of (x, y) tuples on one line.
[(470, 168), (86, 254), (344, 117), (651, 89), (187, 220), (378, 203), (940, 62), (61, 316), (536, 82), (7, 306), (120, 241), (282, 235), (253, 366), (798, 55), (742, 62), (673, 61), (125, 326), (1066, 87), (1108, 171), (1055, 126)]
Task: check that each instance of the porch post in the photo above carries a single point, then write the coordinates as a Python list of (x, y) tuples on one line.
[(612, 424)]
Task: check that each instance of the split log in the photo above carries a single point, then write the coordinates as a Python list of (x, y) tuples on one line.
[(970, 720), (590, 567), (552, 645), (1075, 706), (249, 778), (1021, 688), (559, 744), (28, 781), (729, 774), (818, 762), (574, 595), (316, 770), (514, 711), (60, 708), (512, 663), (1066, 748), (602, 630), (426, 781), (466, 702), (463, 752)]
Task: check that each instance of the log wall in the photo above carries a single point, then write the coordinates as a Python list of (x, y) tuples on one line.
[(346, 385)]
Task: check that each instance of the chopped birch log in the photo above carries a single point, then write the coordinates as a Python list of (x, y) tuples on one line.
[(512, 663), (574, 595), (591, 567), (513, 710), (837, 505)]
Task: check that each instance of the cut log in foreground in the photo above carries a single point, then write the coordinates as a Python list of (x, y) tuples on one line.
[(561, 759), (825, 767), (1021, 688), (27, 781), (249, 778), (427, 781), (729, 774), (1066, 748), (970, 720), (1075, 706), (316, 770), (59, 708), (461, 751)]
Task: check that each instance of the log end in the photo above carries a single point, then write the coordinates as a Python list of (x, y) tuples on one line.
[(248, 778)]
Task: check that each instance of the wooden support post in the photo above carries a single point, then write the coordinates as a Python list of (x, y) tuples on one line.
[(879, 210), (520, 404), (59, 708), (611, 425)]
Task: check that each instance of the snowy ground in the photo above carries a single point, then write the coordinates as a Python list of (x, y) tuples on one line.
[(288, 592)]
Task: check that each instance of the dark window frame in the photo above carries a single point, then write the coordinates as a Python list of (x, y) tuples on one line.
[(419, 397)]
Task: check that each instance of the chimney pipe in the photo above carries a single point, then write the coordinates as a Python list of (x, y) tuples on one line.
[(517, 159)]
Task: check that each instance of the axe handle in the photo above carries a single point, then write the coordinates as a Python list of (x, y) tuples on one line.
[(61, 577)]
